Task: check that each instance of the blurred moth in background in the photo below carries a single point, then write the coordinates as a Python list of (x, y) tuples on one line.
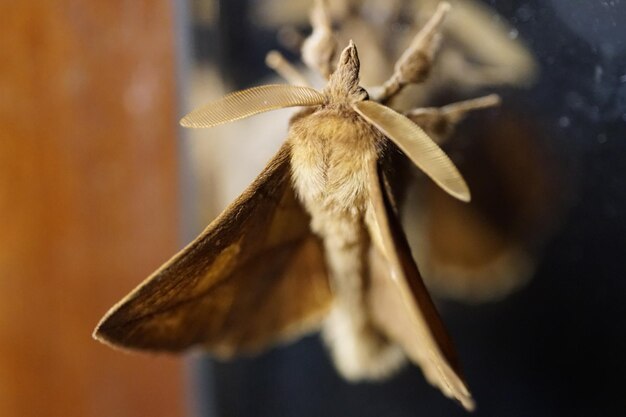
[(474, 252), (316, 242), (469, 252), (479, 48)]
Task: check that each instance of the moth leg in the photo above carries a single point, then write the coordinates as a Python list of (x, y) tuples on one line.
[(318, 49), (415, 63), (276, 61), (290, 38), (439, 122)]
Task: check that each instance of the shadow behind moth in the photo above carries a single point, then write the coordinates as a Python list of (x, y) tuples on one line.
[(313, 243)]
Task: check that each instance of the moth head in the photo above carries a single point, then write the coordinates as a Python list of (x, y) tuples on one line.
[(343, 85), (343, 89)]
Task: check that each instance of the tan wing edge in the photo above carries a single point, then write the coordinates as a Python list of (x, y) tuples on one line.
[(400, 302)]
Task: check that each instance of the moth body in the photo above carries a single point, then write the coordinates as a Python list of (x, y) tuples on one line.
[(331, 150)]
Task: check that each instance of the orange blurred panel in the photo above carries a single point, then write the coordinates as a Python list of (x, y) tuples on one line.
[(88, 201)]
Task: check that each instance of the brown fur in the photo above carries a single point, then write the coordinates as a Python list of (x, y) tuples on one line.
[(331, 152)]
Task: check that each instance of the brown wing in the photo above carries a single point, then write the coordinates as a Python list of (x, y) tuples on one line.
[(254, 277), (400, 304), (465, 254), (485, 250)]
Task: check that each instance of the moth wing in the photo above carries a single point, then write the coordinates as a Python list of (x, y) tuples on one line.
[(249, 102), (399, 302), (417, 146), (254, 277), (465, 255), (485, 250)]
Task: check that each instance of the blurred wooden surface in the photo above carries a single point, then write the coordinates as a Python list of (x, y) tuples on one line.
[(88, 201)]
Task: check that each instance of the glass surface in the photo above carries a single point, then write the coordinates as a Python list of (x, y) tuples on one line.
[(555, 347)]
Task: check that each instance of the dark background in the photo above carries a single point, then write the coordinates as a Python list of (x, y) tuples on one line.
[(554, 348)]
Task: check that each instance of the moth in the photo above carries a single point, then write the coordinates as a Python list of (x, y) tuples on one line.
[(315, 242)]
